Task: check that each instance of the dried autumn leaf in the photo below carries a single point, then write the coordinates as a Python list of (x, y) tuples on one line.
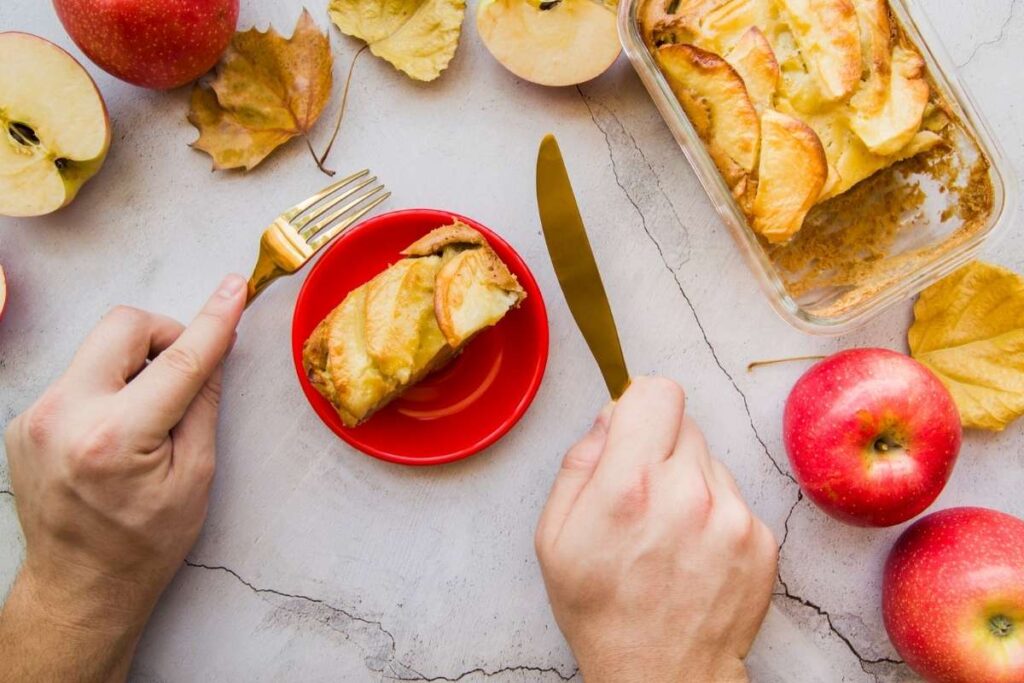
[(268, 89), (418, 37), (969, 329)]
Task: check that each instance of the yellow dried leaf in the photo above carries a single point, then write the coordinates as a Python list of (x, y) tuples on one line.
[(969, 329), (418, 37), (268, 89)]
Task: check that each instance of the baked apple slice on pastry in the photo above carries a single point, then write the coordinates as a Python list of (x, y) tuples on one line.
[(715, 99), (754, 60), (340, 367), (891, 128), (408, 321), (724, 25), (828, 34), (876, 55), (672, 21), (474, 291), (402, 336), (792, 172)]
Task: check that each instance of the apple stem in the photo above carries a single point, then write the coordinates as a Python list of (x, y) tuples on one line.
[(776, 361), (1001, 626), (341, 114)]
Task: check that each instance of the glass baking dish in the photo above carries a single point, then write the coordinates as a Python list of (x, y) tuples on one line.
[(850, 267)]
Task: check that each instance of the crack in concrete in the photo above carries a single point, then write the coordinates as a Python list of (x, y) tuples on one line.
[(792, 509), (6, 492), (679, 284), (499, 672), (399, 669), (1000, 37), (393, 646), (864, 661)]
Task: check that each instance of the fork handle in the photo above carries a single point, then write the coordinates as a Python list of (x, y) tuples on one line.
[(265, 272)]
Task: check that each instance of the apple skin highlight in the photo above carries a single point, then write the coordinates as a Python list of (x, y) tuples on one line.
[(953, 597), (872, 436)]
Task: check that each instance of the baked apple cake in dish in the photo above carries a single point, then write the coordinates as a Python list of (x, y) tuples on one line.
[(853, 171), (408, 321), (797, 100)]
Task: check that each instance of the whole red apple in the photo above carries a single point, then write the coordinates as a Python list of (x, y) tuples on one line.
[(153, 43), (872, 436), (953, 597)]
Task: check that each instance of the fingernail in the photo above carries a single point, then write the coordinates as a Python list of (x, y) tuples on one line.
[(231, 286), (604, 418)]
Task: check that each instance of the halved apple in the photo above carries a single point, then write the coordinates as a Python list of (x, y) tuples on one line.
[(54, 128), (791, 175), (754, 60), (715, 99), (556, 43), (828, 35), (899, 119)]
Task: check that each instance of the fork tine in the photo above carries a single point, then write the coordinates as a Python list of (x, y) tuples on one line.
[(300, 223), (315, 229), (332, 232), (302, 206)]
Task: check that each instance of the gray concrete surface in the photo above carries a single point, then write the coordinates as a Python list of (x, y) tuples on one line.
[(320, 564)]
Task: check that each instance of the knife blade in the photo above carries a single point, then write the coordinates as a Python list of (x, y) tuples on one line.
[(575, 267)]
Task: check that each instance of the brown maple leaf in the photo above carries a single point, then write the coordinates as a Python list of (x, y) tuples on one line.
[(267, 90)]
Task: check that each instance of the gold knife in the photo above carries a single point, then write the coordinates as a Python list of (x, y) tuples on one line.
[(575, 267)]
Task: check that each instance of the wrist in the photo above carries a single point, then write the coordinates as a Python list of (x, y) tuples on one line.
[(52, 632), (647, 666), (80, 601)]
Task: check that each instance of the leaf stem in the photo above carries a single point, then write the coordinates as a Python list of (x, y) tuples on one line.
[(776, 361), (341, 113), (319, 163)]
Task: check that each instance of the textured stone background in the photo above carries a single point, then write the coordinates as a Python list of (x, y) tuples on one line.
[(320, 564)]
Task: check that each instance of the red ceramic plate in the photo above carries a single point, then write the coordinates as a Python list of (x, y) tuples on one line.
[(466, 406)]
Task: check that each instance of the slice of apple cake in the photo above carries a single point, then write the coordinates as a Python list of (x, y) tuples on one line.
[(408, 321)]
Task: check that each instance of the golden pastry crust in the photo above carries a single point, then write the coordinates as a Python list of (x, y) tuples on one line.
[(387, 334), (435, 242), (715, 99)]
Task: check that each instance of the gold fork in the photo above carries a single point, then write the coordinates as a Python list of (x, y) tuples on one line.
[(301, 231)]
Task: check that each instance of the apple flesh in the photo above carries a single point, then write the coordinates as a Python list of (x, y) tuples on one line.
[(54, 128), (872, 436), (556, 43), (158, 45), (953, 597)]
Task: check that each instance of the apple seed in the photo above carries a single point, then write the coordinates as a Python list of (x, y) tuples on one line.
[(22, 133)]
